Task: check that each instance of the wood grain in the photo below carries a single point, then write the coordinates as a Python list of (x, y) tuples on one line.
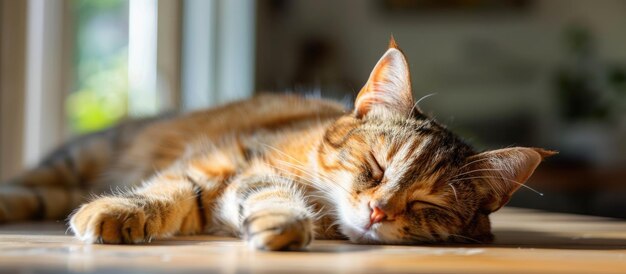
[(528, 241)]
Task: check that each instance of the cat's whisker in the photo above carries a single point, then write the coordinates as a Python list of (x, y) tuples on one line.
[(463, 179), (473, 162), (336, 221), (324, 188), (281, 152), (308, 172), (313, 184), (460, 236), (306, 180), (313, 175), (322, 196), (288, 172), (316, 198), (475, 170), (322, 177), (416, 105), (454, 191), (321, 212), (418, 238), (501, 178), (299, 163)]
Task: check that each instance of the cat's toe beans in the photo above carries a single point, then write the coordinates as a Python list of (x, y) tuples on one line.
[(279, 232)]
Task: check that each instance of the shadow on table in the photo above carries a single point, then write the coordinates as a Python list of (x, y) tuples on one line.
[(536, 239), (510, 238), (226, 242), (505, 237)]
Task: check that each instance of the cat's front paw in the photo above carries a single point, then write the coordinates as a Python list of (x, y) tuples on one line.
[(113, 220), (278, 230)]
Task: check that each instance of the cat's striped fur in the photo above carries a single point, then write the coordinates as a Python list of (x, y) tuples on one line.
[(278, 170)]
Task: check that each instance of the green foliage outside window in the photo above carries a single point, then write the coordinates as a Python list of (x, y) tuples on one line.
[(99, 97)]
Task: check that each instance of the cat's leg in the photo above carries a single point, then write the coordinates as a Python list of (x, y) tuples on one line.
[(175, 201), (157, 209), (58, 184), (269, 211)]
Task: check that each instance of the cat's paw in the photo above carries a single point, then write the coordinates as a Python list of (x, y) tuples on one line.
[(113, 220), (278, 230)]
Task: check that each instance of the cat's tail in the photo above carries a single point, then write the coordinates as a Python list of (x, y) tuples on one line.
[(65, 178)]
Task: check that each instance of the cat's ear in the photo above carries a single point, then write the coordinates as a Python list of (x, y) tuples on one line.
[(505, 171), (389, 85)]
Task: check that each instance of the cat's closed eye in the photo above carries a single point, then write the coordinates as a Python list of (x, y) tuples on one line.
[(377, 171), (419, 204)]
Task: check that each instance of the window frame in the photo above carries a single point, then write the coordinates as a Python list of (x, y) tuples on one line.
[(12, 80), (36, 75), (36, 56)]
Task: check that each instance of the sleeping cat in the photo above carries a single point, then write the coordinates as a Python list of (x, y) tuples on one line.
[(278, 171)]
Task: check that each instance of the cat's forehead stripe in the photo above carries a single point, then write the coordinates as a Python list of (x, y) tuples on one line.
[(405, 157)]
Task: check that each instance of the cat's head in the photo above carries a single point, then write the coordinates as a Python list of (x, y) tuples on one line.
[(400, 177)]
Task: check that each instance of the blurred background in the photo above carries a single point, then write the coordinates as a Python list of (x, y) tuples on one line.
[(504, 72)]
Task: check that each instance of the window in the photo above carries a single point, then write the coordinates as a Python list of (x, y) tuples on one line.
[(70, 67), (99, 94)]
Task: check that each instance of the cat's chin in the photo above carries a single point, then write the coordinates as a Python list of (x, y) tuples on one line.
[(370, 237), (362, 236)]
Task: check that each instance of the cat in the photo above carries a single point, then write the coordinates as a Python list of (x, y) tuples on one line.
[(279, 171)]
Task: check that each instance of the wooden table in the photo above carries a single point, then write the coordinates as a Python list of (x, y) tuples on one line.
[(527, 241)]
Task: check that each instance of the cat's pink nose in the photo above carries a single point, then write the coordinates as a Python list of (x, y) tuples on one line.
[(377, 215)]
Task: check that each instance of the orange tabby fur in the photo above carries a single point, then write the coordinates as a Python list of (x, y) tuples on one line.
[(279, 170)]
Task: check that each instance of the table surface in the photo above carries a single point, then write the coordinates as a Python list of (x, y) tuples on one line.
[(528, 241)]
